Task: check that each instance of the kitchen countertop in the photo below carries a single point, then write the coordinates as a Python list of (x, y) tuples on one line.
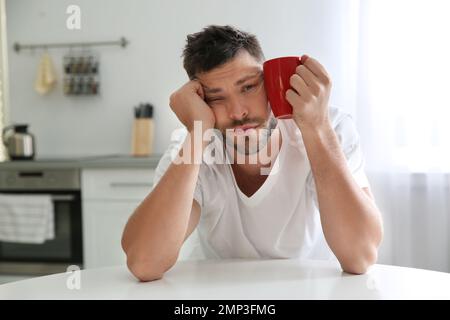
[(104, 161), (239, 279)]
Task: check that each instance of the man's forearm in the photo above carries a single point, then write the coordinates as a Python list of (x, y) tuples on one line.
[(156, 230), (350, 219)]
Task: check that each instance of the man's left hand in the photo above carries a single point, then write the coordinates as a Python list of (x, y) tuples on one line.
[(309, 94)]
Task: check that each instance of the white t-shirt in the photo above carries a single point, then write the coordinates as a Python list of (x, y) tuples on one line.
[(280, 220)]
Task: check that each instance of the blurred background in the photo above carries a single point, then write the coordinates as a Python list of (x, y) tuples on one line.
[(388, 61)]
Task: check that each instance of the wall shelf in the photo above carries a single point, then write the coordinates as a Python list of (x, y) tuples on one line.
[(122, 42)]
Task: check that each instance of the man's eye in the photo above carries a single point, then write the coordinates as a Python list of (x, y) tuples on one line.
[(248, 88), (209, 100)]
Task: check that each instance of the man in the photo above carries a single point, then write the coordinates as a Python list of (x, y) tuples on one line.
[(313, 201)]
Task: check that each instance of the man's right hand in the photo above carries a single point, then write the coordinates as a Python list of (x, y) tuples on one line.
[(189, 105)]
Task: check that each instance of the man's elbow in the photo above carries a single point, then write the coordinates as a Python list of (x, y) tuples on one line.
[(149, 267), (145, 270), (361, 263)]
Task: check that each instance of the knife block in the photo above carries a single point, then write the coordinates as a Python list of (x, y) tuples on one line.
[(142, 137)]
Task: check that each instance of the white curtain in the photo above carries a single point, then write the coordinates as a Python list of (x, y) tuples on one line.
[(403, 116), (3, 76)]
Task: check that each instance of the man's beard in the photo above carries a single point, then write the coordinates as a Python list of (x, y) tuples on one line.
[(246, 148)]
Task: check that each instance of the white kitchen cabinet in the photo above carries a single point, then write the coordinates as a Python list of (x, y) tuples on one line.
[(109, 197), (116, 184), (103, 224)]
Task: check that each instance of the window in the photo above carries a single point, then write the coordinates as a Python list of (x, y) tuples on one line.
[(408, 52)]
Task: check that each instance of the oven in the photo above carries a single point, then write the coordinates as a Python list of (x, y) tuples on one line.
[(65, 249)]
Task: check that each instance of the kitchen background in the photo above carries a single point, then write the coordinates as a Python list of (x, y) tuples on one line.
[(370, 48), (150, 67)]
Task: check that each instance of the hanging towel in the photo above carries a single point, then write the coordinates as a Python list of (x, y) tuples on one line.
[(46, 78), (26, 218)]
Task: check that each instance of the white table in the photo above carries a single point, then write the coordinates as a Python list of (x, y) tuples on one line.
[(239, 279)]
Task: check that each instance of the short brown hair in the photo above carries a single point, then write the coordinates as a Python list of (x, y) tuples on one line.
[(216, 45)]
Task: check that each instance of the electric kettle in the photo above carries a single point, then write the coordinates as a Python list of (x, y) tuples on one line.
[(19, 143)]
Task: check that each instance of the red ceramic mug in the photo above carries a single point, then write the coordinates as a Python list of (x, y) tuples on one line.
[(277, 73)]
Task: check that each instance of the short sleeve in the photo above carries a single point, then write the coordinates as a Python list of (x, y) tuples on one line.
[(176, 142), (350, 143)]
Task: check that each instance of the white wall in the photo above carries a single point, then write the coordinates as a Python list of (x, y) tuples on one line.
[(151, 67)]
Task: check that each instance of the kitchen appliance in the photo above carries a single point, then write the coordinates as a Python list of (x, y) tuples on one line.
[(19, 143), (52, 256)]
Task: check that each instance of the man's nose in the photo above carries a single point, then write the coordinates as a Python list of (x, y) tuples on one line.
[(237, 111)]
